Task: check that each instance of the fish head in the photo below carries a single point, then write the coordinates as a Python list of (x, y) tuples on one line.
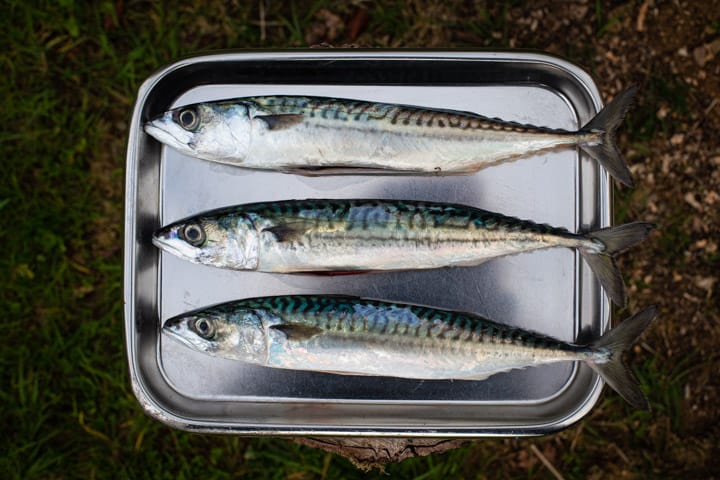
[(212, 131), (237, 335), (225, 241)]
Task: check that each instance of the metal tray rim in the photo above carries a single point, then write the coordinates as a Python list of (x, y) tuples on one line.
[(154, 408)]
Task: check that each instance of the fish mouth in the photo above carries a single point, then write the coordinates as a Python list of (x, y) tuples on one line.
[(178, 329), (164, 243), (165, 132), (173, 329), (167, 240)]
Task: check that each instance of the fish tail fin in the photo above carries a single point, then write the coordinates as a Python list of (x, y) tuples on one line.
[(613, 370), (602, 263), (606, 122)]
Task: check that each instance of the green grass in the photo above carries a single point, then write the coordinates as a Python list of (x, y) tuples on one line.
[(659, 90), (71, 71)]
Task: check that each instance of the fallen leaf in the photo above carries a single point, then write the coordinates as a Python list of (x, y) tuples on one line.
[(333, 23), (640, 24), (699, 54), (357, 23), (706, 283), (690, 199)]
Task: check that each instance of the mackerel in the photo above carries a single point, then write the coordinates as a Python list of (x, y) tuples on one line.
[(355, 336), (370, 235), (319, 135)]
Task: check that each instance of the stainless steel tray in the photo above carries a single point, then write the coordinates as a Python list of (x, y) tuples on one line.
[(552, 291)]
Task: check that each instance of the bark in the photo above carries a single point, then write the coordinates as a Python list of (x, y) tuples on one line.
[(369, 453)]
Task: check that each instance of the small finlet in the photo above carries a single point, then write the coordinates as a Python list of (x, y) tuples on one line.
[(338, 273)]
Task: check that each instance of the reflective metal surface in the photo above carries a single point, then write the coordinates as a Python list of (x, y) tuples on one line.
[(552, 292)]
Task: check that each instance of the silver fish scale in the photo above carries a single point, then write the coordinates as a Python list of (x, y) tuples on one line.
[(367, 112)]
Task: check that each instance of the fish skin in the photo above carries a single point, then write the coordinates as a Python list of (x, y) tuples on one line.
[(370, 235), (356, 336), (318, 135)]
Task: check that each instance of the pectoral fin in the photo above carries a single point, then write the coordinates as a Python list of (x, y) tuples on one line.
[(281, 121), (288, 232), (298, 332)]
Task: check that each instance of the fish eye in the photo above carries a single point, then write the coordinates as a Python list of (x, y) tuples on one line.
[(188, 119), (204, 327), (194, 234)]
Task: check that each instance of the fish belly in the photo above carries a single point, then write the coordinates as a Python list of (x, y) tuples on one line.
[(318, 145), (385, 252), (405, 357)]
